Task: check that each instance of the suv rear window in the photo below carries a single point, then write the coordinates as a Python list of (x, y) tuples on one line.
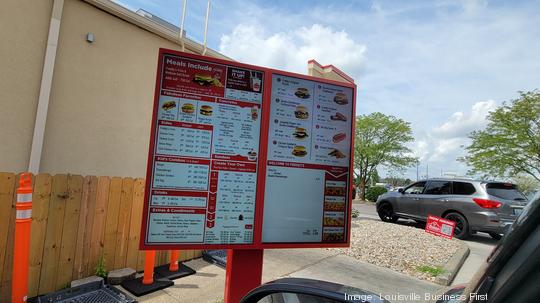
[(506, 191), (463, 188)]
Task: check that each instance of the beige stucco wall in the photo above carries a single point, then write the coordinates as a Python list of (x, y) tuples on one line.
[(317, 71), (100, 106), (24, 26)]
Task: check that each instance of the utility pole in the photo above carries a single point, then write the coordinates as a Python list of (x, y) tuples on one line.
[(427, 170), (417, 170)]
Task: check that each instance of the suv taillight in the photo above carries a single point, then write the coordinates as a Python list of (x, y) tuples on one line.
[(485, 203)]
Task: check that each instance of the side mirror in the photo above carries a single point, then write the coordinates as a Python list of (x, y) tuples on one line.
[(401, 190), (308, 290)]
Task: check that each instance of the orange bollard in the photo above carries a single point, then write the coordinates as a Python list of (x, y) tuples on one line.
[(21, 252), (149, 260), (173, 264)]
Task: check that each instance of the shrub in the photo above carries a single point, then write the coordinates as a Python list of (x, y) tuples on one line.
[(355, 213), (100, 268), (374, 192)]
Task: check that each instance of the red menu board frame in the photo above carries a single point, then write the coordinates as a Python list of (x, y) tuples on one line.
[(261, 160)]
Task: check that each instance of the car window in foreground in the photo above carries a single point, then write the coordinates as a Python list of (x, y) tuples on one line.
[(506, 191), (463, 188), (416, 188), (438, 188)]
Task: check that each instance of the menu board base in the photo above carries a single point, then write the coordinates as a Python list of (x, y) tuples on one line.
[(183, 271), (137, 288)]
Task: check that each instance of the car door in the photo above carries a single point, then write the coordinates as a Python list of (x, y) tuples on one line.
[(408, 201), (434, 198)]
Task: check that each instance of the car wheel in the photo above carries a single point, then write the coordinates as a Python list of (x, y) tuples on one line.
[(461, 231), (495, 236), (386, 213)]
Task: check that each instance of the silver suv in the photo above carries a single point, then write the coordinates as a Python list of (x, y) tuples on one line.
[(474, 205)]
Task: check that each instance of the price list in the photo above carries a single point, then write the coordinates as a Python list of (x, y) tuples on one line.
[(186, 142), (180, 175)]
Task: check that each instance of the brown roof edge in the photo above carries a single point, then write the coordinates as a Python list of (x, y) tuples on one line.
[(144, 23), (331, 68)]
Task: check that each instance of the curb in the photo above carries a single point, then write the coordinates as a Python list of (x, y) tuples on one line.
[(452, 266)]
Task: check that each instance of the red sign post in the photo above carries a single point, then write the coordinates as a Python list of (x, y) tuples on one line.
[(245, 158), (440, 227)]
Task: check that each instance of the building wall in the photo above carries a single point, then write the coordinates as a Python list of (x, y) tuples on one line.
[(101, 99), (24, 27), (102, 93)]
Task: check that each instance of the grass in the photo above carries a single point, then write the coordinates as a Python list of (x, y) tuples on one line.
[(432, 270)]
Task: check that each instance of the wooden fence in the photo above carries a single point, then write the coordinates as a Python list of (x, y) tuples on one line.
[(76, 221)]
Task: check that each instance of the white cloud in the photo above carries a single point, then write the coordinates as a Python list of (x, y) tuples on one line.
[(445, 143), (461, 123), (291, 50)]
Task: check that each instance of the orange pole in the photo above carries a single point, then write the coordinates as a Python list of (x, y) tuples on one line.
[(21, 246), (149, 260), (173, 264)]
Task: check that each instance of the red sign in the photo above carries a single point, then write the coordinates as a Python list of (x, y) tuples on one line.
[(227, 137), (440, 227)]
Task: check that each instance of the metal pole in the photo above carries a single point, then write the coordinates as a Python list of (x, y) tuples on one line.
[(182, 25), (206, 27)]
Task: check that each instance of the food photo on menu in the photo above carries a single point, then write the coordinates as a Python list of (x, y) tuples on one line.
[(206, 110), (341, 99), (301, 112), (300, 133), (169, 105), (188, 108), (207, 80), (302, 93)]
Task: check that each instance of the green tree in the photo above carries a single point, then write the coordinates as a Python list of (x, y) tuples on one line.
[(526, 184), (510, 144), (380, 140)]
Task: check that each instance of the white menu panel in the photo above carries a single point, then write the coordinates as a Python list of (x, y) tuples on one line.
[(309, 147)]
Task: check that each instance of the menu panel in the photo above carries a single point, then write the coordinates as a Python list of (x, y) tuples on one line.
[(309, 147), (204, 153)]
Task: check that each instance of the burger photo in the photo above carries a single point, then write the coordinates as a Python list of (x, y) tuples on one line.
[(341, 99), (338, 117), (300, 133), (206, 110), (188, 108), (203, 80), (301, 112), (302, 93), (299, 151), (207, 80)]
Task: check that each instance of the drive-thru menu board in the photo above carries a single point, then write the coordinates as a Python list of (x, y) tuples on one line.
[(307, 173), (246, 157), (202, 176)]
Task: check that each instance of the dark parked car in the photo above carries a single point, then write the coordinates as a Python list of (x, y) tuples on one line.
[(510, 274), (475, 206)]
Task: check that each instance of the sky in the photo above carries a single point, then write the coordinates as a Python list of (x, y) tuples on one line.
[(440, 65)]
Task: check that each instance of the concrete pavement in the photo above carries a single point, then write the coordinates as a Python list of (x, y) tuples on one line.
[(207, 285), (382, 281)]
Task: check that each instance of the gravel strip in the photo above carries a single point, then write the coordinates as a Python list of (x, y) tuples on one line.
[(400, 248)]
